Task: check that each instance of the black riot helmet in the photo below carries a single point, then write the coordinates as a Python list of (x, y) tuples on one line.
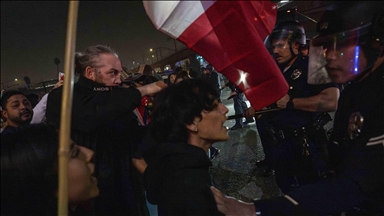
[(291, 30), (359, 23)]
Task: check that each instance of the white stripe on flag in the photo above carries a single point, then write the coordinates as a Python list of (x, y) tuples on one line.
[(173, 17)]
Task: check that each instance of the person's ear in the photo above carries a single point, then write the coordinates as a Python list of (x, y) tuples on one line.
[(193, 127), (90, 73), (4, 114)]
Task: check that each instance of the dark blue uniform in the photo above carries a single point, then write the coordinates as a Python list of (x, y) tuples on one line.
[(287, 135), (358, 185)]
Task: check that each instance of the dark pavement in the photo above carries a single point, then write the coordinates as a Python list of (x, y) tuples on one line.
[(234, 170)]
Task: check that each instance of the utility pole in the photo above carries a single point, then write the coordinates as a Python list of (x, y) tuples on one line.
[(57, 62)]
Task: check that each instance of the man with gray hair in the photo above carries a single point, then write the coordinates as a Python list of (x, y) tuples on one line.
[(102, 120)]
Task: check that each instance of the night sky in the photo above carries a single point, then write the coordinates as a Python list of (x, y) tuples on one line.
[(33, 33)]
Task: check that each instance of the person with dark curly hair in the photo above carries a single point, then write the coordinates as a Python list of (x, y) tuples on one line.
[(187, 119)]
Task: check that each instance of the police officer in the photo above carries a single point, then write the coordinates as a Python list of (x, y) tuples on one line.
[(354, 49), (102, 120), (288, 135)]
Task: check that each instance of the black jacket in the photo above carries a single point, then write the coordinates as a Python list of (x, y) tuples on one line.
[(102, 120), (178, 181)]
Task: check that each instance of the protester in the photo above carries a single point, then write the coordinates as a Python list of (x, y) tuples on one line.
[(290, 136), (354, 51), (212, 77), (40, 108), (102, 120), (16, 109), (171, 79), (29, 173), (187, 120), (33, 99), (182, 75), (193, 73), (239, 105)]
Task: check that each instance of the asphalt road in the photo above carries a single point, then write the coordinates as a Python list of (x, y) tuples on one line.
[(234, 171)]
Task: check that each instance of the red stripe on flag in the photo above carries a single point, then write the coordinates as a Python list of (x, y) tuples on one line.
[(230, 36)]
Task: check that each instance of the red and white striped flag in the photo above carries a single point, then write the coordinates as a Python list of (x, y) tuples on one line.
[(229, 35)]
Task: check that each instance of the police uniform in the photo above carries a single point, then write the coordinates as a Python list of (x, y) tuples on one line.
[(285, 134), (358, 185), (102, 120)]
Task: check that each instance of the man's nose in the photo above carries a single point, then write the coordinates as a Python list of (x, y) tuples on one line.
[(330, 54), (118, 80)]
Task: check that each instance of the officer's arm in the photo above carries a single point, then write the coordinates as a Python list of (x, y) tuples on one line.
[(152, 88), (325, 101)]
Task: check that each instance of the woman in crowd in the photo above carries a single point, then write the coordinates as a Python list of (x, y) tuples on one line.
[(187, 119), (29, 173), (171, 79)]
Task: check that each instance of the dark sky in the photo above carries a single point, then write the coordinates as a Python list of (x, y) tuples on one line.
[(33, 33)]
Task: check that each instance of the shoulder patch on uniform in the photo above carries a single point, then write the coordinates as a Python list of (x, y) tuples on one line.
[(296, 74), (376, 140)]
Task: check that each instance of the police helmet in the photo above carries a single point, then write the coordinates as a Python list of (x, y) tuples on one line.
[(348, 23), (291, 30)]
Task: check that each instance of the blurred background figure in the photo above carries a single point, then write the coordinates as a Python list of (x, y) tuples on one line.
[(29, 173), (212, 77), (182, 75), (171, 79)]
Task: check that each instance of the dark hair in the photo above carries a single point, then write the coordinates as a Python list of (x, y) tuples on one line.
[(183, 75), (33, 99), (177, 106), (7, 95), (169, 78), (29, 171), (90, 58), (178, 69)]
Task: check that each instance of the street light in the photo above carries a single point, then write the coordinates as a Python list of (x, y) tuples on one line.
[(2, 84)]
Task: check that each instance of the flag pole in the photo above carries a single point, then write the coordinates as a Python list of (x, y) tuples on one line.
[(66, 108)]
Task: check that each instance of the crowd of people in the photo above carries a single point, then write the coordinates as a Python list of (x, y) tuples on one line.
[(138, 141)]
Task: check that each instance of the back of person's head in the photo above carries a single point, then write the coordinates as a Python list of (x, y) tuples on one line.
[(90, 58), (7, 95), (209, 67), (29, 171), (148, 70), (33, 99), (182, 75), (178, 69), (177, 106)]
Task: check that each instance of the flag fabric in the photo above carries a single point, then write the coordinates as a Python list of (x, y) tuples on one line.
[(230, 36)]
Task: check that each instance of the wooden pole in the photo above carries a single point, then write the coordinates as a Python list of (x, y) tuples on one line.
[(66, 108)]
